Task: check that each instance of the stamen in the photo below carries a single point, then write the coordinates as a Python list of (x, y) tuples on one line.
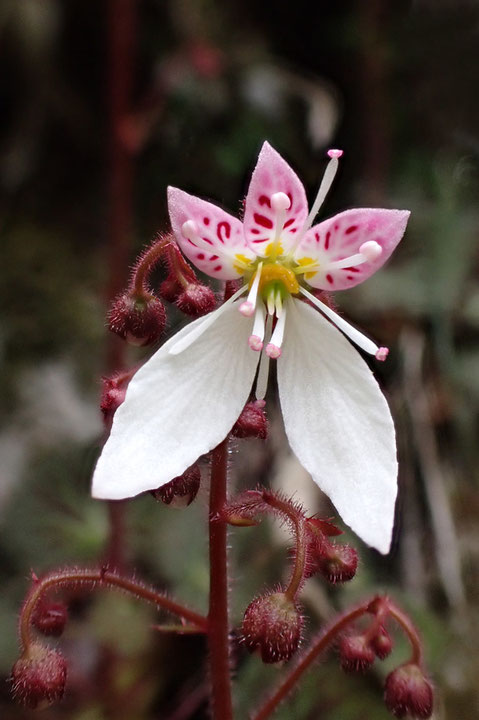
[(247, 307), (263, 371), (280, 202), (190, 337), (257, 336), (273, 348), (326, 183), (357, 337), (368, 252)]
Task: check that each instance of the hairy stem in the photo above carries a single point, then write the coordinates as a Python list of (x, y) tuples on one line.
[(146, 263), (102, 578), (218, 623)]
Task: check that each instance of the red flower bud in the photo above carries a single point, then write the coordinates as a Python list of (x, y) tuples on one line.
[(252, 423), (182, 490), (113, 393), (272, 625), (170, 289), (356, 653), (381, 643), (39, 676), (408, 692), (196, 300), (138, 318), (50, 618), (339, 563)]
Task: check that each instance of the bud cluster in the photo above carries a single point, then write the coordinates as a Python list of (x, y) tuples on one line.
[(252, 423), (182, 490)]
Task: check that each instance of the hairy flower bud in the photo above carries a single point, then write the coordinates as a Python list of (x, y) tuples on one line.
[(39, 676), (408, 692), (182, 490), (252, 423), (356, 653), (113, 393), (50, 618), (196, 300), (170, 289), (381, 642), (272, 625), (138, 318), (338, 563)]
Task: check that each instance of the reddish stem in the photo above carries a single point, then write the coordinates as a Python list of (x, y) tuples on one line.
[(218, 624), (103, 578), (146, 262), (413, 636), (319, 644)]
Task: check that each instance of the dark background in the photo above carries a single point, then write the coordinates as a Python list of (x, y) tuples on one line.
[(103, 104)]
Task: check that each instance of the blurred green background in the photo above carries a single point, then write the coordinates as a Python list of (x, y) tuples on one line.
[(103, 104)]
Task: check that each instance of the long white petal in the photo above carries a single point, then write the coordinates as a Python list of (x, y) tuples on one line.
[(338, 423), (178, 407)]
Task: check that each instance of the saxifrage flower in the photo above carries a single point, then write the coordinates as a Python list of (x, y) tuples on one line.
[(186, 398)]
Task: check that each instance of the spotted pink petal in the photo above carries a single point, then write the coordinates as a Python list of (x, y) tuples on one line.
[(341, 237), (218, 236), (273, 175)]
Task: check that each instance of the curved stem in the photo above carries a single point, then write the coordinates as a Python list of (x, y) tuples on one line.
[(320, 643), (411, 632), (103, 578), (146, 262), (218, 623)]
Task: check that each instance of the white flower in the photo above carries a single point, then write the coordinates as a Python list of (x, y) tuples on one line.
[(186, 398)]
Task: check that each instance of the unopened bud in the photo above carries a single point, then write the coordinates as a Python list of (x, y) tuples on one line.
[(355, 653), (196, 300), (408, 692), (138, 318), (182, 490), (381, 642), (113, 393), (272, 625), (39, 676), (339, 563), (50, 618), (170, 289), (252, 423)]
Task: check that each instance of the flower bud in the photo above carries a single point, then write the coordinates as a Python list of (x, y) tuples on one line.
[(182, 490), (113, 393), (408, 692), (272, 625), (50, 618), (39, 676), (138, 318), (196, 300), (381, 643), (170, 289), (339, 563), (356, 653), (252, 423)]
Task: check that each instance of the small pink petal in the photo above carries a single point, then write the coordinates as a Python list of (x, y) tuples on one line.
[(272, 183), (346, 235), (208, 236)]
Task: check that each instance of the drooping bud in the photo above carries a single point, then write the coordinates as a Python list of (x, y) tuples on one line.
[(113, 393), (50, 618), (39, 676), (356, 653), (408, 692), (182, 490), (196, 300), (252, 423), (338, 563), (170, 289), (272, 625), (138, 318), (381, 642)]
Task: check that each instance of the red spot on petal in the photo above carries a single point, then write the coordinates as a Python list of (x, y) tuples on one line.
[(263, 221), (207, 240), (349, 277), (200, 256), (217, 268), (258, 240), (329, 278), (206, 220), (316, 235), (326, 240), (351, 229), (215, 257), (293, 230), (289, 222), (255, 231), (223, 231), (352, 269), (264, 200)]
